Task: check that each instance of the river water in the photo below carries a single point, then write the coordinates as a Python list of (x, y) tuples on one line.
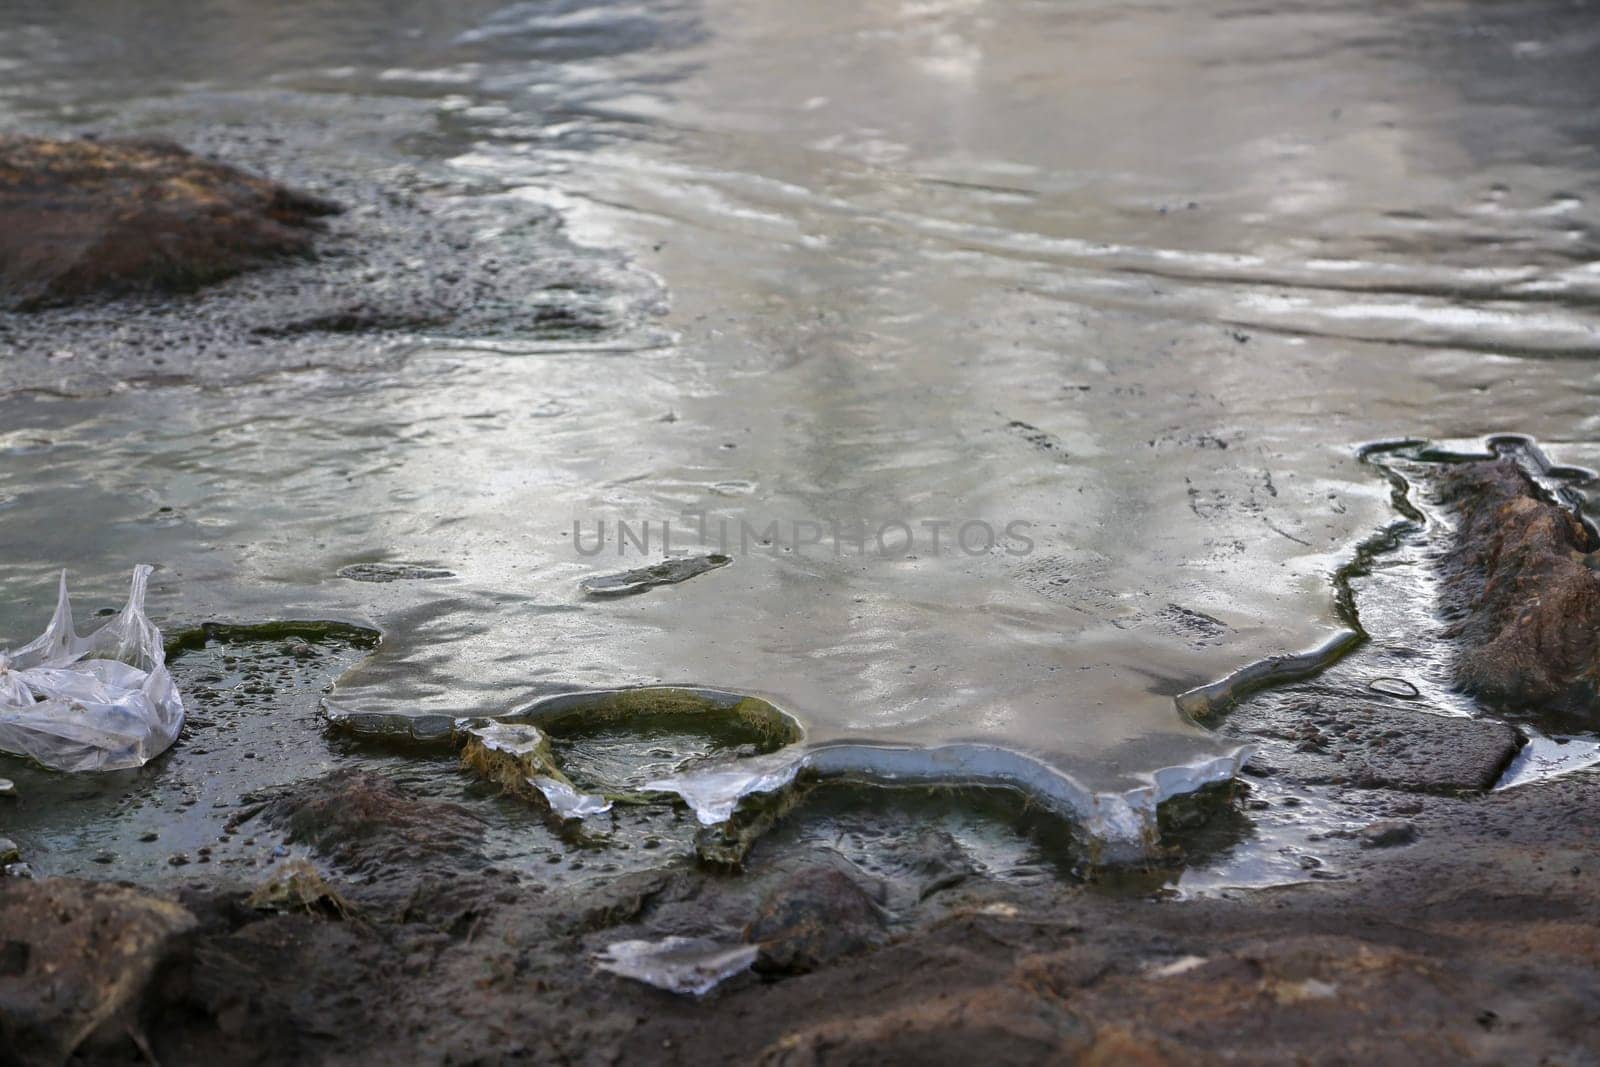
[(1108, 296)]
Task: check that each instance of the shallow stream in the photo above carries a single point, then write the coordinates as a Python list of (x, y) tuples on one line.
[(1106, 298)]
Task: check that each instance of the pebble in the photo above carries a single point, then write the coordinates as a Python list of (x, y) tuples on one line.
[(1388, 833), (9, 852), (8, 788), (1393, 687)]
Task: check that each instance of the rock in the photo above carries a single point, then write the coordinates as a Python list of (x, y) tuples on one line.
[(1521, 594), (366, 823), (9, 852), (75, 957), (817, 915), (296, 886), (84, 218), (8, 788), (1388, 833), (1285, 999), (511, 755), (991, 1024), (1424, 753), (402, 853), (1377, 747), (934, 859)]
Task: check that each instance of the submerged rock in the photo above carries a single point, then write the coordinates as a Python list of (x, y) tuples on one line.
[(367, 824), (1388, 833), (1522, 595), (76, 957), (83, 218)]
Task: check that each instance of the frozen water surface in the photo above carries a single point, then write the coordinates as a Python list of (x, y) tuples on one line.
[(1138, 278)]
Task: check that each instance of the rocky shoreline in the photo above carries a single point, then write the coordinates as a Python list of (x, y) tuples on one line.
[(1465, 933), (1410, 913)]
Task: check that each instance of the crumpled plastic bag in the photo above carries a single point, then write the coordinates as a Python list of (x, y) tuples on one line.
[(104, 702)]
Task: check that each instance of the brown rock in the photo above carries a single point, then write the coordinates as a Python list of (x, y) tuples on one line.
[(74, 957), (991, 1024), (1521, 594), (82, 218), (368, 825), (1347, 741), (817, 915)]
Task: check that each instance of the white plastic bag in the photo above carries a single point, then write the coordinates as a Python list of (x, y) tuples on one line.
[(104, 702)]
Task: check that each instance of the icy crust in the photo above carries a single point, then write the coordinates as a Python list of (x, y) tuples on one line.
[(1121, 826), (103, 702), (1205, 701), (518, 755), (714, 793), (566, 801), (686, 965)]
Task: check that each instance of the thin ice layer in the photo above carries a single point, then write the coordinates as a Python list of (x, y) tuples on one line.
[(97, 703), (689, 965), (566, 801), (517, 755), (1122, 824)]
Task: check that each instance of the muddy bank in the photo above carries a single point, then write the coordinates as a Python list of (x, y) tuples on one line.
[(1470, 938), (1402, 911)]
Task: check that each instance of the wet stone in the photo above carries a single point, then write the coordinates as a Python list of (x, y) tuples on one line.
[(84, 218), (993, 1023), (75, 958), (1343, 742), (816, 915), (394, 846), (296, 886), (1393, 687), (1520, 595), (1388, 833)]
